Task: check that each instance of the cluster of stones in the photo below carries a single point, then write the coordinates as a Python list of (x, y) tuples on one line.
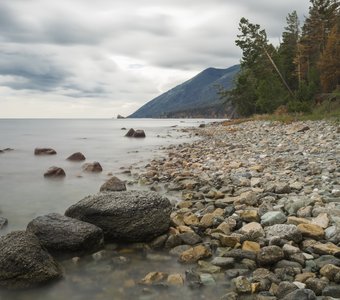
[(27, 258), (57, 172), (260, 203)]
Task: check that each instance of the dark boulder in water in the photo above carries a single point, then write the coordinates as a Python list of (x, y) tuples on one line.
[(139, 134), (44, 151), (78, 156), (58, 233), (114, 184), (94, 167), (55, 172), (128, 216), (24, 263), (130, 133)]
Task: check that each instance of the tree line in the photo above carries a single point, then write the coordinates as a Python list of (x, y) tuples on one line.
[(304, 66)]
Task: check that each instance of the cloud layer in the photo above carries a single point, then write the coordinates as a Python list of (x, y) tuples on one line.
[(85, 58)]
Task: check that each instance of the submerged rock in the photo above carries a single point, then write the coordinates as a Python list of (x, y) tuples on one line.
[(24, 263), (139, 134), (135, 133), (44, 151), (114, 184), (130, 132), (55, 172), (131, 216), (94, 167), (78, 156), (59, 233)]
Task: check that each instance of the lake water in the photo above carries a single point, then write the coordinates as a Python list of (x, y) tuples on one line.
[(26, 194)]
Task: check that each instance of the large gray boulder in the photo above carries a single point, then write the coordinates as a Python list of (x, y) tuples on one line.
[(24, 263), (58, 233), (130, 216)]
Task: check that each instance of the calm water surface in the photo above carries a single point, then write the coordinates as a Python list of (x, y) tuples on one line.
[(26, 194)]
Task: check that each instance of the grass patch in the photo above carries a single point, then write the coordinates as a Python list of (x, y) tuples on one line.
[(326, 111)]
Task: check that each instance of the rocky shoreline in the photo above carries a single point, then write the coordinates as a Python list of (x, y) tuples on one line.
[(259, 203), (255, 214)]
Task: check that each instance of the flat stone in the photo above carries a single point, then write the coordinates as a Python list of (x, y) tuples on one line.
[(194, 254), (206, 267), (284, 231), (44, 151), (239, 254), (327, 259), (223, 262), (311, 231), (178, 250), (251, 246), (58, 233), (297, 221), (207, 279), (273, 217), (328, 248)]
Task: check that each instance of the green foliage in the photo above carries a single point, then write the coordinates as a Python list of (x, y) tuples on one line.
[(306, 62), (298, 106)]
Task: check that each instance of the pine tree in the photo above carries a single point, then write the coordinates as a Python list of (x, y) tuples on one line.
[(288, 49), (321, 19), (329, 63)]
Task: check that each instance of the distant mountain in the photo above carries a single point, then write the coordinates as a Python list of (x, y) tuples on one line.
[(196, 97)]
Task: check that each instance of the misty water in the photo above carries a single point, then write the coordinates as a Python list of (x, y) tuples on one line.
[(26, 194)]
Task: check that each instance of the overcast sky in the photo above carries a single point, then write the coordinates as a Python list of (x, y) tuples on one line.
[(85, 58)]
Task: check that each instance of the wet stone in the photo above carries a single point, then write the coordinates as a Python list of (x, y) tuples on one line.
[(242, 285), (224, 262), (269, 255), (273, 217)]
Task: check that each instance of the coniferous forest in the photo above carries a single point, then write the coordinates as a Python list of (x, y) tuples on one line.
[(297, 75)]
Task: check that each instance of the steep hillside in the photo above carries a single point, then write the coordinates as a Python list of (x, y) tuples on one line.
[(196, 97)]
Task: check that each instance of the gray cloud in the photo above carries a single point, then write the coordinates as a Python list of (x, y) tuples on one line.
[(122, 53)]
